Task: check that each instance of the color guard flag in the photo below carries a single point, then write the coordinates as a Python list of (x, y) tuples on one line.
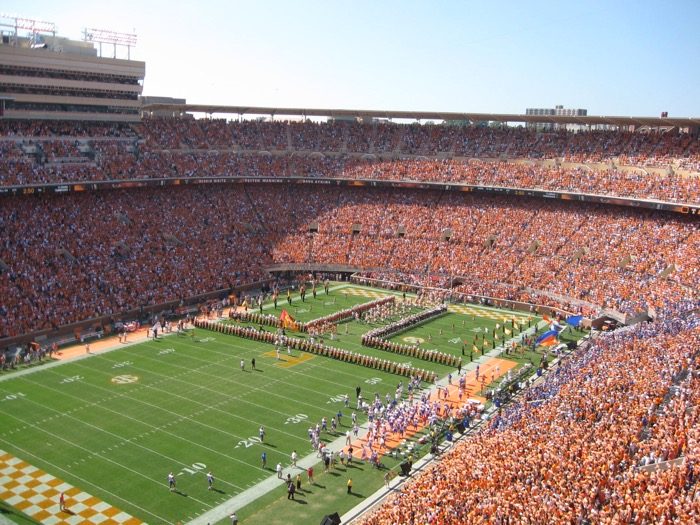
[(556, 326), (287, 320), (548, 338), (574, 320), (507, 332)]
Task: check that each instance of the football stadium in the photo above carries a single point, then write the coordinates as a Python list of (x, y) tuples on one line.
[(216, 314)]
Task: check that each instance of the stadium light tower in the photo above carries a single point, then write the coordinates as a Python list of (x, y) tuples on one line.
[(33, 27), (105, 36)]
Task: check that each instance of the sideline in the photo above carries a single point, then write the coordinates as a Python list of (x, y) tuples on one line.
[(6, 521), (107, 344), (261, 488), (396, 484), (76, 352)]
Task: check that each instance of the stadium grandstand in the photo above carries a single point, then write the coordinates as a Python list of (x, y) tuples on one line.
[(47, 77), (112, 212)]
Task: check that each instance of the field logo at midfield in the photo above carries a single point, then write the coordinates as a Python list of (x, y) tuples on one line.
[(414, 340), (286, 361), (124, 379), (455, 341)]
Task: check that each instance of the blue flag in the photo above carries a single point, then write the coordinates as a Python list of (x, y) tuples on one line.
[(547, 337), (574, 320)]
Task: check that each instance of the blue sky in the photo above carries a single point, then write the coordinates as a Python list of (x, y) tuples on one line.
[(611, 57)]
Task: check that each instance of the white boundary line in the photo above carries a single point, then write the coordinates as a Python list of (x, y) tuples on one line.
[(83, 480), (219, 510), (124, 440), (166, 378)]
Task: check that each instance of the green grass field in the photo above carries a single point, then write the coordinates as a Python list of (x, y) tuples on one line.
[(115, 424)]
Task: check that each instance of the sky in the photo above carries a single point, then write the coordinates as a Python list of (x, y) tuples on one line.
[(612, 57)]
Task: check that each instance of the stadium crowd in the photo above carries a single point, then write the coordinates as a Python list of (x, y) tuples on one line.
[(77, 256), (583, 446), (542, 248), (81, 256), (45, 152)]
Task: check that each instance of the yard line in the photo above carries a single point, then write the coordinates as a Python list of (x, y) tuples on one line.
[(247, 351), (295, 386), (226, 379), (123, 439), (103, 400), (82, 407), (205, 405), (296, 372), (198, 386), (159, 429), (83, 480), (56, 436), (303, 374)]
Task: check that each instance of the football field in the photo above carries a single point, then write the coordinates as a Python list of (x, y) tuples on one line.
[(107, 429)]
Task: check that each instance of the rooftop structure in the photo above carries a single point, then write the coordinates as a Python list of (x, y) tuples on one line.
[(589, 121), (43, 76), (555, 111)]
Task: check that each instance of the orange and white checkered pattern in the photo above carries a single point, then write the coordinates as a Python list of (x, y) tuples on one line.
[(38, 494), (362, 292), (462, 309), (494, 315)]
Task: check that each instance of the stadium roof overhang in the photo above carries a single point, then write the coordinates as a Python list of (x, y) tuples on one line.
[(428, 115)]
